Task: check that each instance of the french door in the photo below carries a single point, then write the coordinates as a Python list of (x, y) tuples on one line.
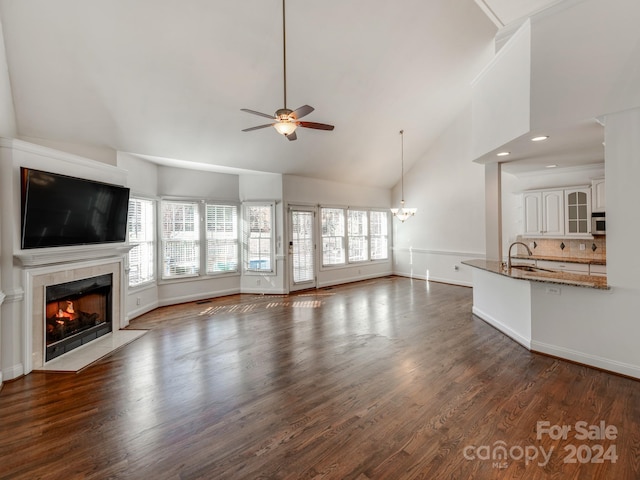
[(302, 248)]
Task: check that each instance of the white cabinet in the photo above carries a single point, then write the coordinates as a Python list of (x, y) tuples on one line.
[(598, 196), (544, 213), (577, 212), (559, 213), (569, 267), (532, 207), (598, 270)]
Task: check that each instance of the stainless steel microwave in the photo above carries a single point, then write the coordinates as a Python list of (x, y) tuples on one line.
[(598, 223)]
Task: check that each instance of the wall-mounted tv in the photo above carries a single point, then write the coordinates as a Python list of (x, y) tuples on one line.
[(59, 210)]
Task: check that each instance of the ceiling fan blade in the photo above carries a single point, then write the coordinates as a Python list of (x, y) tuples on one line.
[(258, 127), (302, 111), (292, 136), (258, 113), (317, 126)]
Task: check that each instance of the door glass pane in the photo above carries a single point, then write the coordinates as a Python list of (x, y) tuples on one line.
[(302, 237), (573, 226), (573, 212)]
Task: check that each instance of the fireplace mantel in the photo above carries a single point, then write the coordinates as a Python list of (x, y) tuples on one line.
[(57, 255)]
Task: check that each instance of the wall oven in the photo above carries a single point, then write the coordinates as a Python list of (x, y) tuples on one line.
[(598, 223)]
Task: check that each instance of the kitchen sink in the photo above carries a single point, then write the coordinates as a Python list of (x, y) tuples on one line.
[(530, 268)]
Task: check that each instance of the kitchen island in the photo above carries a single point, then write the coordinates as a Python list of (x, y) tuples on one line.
[(520, 272), (546, 311)]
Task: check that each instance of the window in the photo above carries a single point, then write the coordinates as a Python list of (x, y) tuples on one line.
[(141, 237), (366, 239), (180, 239), (259, 241), (333, 240), (358, 236), (222, 238), (379, 224)]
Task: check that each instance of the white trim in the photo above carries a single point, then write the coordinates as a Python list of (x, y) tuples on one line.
[(52, 153), (262, 291), (525, 342), (59, 255), (523, 29), (165, 302), (449, 281), (438, 252), (12, 372), (488, 11), (586, 359), (142, 310), (359, 278), (14, 296)]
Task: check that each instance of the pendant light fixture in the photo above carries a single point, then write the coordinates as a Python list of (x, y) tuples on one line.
[(403, 213)]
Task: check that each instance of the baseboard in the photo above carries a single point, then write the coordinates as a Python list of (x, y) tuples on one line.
[(262, 291), (12, 372), (141, 311), (358, 278), (448, 281), (199, 296), (525, 342), (587, 359)]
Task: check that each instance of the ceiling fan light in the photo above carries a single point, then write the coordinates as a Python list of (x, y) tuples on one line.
[(285, 127)]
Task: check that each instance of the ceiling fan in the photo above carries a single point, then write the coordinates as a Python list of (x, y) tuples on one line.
[(285, 120)]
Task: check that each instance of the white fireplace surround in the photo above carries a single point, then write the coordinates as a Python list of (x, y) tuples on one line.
[(37, 278)]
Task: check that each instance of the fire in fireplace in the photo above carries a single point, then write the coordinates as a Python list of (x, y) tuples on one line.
[(76, 313)]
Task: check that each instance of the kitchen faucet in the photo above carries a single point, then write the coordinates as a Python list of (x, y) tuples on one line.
[(517, 243)]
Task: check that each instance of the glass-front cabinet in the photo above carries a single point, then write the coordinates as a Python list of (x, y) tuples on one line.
[(577, 212)]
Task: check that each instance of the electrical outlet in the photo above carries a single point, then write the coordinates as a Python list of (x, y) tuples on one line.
[(553, 290), (257, 281), (582, 246), (532, 245)]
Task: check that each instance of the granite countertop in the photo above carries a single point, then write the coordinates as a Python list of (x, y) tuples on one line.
[(588, 261), (563, 278)]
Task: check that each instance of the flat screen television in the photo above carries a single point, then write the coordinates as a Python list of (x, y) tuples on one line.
[(59, 210)]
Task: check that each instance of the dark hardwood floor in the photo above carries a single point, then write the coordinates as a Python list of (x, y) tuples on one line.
[(384, 379)]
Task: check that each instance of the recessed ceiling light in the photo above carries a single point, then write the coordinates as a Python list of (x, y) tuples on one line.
[(503, 154), (540, 138), (552, 166)]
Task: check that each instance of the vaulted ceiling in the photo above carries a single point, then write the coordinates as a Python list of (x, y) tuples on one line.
[(167, 79)]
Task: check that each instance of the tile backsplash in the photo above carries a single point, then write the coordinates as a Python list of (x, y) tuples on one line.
[(594, 249)]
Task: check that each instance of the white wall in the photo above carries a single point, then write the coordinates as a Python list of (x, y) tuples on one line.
[(584, 61), (7, 130), (501, 104), (184, 183), (447, 188), (302, 190), (7, 113)]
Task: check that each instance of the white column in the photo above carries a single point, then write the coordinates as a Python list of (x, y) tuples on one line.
[(493, 210), (622, 174)]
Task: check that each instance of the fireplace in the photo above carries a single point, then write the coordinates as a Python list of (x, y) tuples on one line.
[(76, 313)]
